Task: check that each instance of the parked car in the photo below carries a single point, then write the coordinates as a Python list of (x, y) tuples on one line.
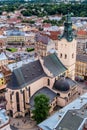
[(79, 79)]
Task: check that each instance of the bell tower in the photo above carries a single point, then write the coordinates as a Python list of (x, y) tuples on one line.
[(67, 47)]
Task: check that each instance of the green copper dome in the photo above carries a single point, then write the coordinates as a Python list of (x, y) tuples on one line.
[(67, 29)]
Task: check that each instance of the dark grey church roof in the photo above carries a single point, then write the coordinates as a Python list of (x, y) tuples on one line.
[(64, 84), (61, 85), (33, 71), (81, 58), (71, 82), (54, 65), (48, 92), (26, 75), (71, 121)]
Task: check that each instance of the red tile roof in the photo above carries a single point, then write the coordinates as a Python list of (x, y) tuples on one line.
[(54, 35), (51, 34), (46, 25), (81, 32), (12, 20)]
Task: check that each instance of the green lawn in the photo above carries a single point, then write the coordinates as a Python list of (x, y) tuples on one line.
[(29, 49), (12, 49)]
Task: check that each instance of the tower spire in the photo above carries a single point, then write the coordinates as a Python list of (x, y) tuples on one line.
[(67, 28)]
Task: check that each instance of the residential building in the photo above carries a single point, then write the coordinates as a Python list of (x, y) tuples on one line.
[(29, 38), (4, 120), (44, 45), (2, 79), (2, 90), (3, 59), (81, 66), (15, 37), (81, 42)]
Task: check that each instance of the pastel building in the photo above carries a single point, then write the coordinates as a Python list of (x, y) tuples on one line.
[(3, 59), (4, 120), (2, 91), (40, 76), (81, 66), (44, 45), (15, 37), (2, 79)]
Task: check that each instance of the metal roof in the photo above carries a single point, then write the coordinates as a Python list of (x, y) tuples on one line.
[(3, 56), (54, 120), (71, 121), (46, 91), (81, 58), (54, 65), (25, 75)]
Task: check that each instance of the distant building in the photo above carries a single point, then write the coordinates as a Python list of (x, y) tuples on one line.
[(44, 45), (81, 66), (2, 91), (81, 42), (3, 59), (2, 79), (15, 37)]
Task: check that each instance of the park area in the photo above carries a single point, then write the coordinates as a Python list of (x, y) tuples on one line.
[(11, 49)]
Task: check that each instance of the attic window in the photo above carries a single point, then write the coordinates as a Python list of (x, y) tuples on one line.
[(65, 56)]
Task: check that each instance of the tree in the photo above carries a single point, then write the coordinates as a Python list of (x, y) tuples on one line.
[(8, 17), (41, 108)]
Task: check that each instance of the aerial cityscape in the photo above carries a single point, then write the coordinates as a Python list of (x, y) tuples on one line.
[(43, 65)]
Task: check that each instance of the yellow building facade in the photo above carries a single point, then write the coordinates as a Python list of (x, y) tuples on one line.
[(81, 66), (2, 79)]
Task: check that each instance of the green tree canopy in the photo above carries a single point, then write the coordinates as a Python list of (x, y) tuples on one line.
[(41, 108)]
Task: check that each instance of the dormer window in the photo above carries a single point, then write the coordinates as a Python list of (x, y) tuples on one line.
[(60, 55), (65, 56)]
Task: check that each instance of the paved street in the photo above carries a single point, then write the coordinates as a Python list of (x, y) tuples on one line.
[(23, 124)]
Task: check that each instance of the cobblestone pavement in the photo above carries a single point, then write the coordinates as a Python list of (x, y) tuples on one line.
[(23, 124)]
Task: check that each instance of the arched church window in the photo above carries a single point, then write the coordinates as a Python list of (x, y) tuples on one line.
[(24, 98), (69, 95), (17, 101), (48, 82), (65, 56), (11, 96), (60, 55), (73, 55), (29, 92)]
